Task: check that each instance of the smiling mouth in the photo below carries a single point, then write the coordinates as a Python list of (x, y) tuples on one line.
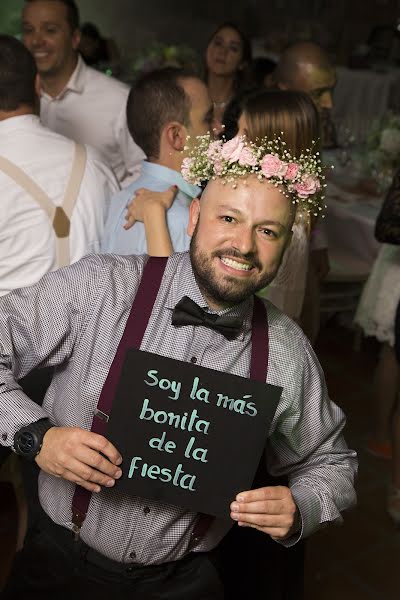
[(234, 264)]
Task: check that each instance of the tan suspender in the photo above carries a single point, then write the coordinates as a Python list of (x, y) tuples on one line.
[(59, 216)]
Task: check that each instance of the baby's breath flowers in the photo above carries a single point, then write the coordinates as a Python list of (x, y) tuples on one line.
[(301, 179)]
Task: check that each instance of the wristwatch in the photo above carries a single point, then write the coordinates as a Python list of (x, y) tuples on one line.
[(29, 439)]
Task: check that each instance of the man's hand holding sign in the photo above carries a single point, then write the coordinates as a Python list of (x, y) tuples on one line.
[(80, 456)]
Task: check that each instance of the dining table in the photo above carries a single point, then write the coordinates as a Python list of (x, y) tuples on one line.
[(351, 211)]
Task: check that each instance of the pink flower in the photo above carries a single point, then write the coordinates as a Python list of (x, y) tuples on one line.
[(308, 186), (247, 158), (232, 150), (187, 164), (214, 150), (292, 170), (272, 166)]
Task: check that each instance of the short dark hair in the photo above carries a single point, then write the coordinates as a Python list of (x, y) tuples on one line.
[(156, 99), (72, 12), (17, 75)]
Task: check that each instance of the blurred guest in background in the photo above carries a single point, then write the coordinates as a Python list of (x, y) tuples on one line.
[(165, 106), (228, 58), (76, 100), (293, 116), (95, 49), (305, 66), (54, 199), (376, 315)]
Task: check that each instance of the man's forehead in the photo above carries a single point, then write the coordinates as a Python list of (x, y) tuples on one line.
[(243, 189), (45, 10)]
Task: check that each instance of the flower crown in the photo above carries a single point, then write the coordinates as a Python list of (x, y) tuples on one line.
[(301, 178)]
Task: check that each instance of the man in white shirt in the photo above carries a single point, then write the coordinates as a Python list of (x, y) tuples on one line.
[(76, 100), (30, 156)]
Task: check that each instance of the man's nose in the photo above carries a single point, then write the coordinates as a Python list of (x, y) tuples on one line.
[(244, 240), (36, 39)]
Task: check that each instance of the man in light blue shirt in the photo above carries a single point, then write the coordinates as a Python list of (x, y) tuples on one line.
[(166, 108)]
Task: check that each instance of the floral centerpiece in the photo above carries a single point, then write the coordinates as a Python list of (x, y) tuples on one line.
[(161, 55), (382, 156)]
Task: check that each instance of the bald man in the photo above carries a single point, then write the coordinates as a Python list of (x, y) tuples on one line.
[(306, 67)]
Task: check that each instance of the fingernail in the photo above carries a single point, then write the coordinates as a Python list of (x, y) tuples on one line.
[(110, 482), (240, 499), (97, 489), (118, 474), (235, 507), (235, 517), (118, 461)]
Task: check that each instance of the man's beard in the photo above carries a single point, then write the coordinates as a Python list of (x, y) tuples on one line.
[(227, 290)]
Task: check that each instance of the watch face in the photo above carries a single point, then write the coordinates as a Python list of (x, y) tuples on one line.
[(26, 442)]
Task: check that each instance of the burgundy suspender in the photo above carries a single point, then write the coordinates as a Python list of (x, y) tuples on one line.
[(259, 342), (132, 338)]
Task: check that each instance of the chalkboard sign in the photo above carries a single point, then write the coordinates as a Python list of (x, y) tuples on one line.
[(188, 435)]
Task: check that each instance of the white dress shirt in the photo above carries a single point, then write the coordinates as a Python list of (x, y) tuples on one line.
[(27, 239), (91, 109)]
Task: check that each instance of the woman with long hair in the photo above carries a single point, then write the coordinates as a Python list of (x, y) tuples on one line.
[(293, 117), (227, 62)]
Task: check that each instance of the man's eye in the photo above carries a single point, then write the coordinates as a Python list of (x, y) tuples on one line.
[(227, 219), (269, 233)]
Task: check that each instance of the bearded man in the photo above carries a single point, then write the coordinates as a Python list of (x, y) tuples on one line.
[(141, 547)]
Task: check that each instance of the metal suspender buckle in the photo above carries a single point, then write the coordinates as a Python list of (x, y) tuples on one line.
[(101, 415), (77, 520)]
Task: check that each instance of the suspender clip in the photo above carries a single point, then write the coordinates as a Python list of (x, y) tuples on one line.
[(101, 415), (77, 521)]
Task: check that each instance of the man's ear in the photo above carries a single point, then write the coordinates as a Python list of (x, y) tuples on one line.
[(176, 135), (76, 38), (194, 213)]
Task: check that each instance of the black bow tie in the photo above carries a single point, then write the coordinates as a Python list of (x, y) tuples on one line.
[(187, 312)]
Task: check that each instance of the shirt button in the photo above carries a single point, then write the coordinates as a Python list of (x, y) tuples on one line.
[(132, 555), (193, 359), (146, 510), (4, 437)]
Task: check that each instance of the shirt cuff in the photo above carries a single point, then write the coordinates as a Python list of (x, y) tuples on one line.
[(309, 507), (25, 412)]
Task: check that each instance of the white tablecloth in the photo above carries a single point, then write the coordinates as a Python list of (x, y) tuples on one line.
[(350, 223), (361, 97)]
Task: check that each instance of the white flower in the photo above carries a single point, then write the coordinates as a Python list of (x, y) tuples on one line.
[(390, 141)]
